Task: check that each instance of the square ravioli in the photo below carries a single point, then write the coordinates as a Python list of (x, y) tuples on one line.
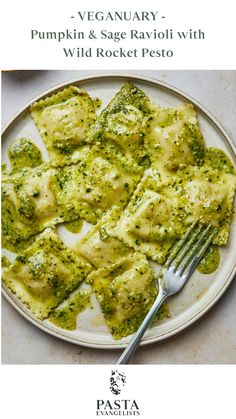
[(125, 292), (174, 139), (45, 274), (29, 204), (159, 213), (98, 246), (207, 193), (97, 182), (123, 123), (149, 222), (63, 120)]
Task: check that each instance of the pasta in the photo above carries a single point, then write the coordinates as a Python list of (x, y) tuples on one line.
[(161, 210), (45, 274), (123, 123), (125, 292), (63, 120), (98, 246)]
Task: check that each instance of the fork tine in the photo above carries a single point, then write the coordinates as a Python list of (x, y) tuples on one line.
[(198, 251), (188, 246), (171, 281), (178, 246), (195, 248)]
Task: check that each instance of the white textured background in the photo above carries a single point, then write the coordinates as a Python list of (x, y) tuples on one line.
[(212, 340)]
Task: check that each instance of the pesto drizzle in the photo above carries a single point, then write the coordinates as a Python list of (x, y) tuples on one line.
[(210, 261), (23, 153), (74, 226)]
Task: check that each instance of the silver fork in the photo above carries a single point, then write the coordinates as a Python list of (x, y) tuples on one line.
[(178, 268)]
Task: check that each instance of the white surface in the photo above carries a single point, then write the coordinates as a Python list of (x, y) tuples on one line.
[(213, 339)]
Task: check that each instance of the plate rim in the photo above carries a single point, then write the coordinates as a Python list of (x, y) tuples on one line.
[(229, 142)]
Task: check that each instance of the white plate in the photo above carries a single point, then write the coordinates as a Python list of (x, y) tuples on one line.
[(202, 291)]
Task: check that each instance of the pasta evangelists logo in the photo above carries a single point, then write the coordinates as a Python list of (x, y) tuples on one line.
[(117, 381), (117, 407)]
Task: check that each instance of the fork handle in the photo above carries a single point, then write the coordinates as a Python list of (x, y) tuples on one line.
[(134, 343)]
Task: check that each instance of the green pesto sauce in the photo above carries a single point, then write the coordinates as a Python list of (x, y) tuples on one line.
[(66, 317), (217, 159), (23, 153), (74, 226), (18, 246), (5, 262), (211, 261), (97, 103)]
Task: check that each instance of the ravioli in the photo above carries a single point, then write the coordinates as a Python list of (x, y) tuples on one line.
[(174, 139), (96, 183), (149, 222), (28, 204), (36, 198), (63, 120), (125, 291), (207, 193), (123, 122), (45, 274), (160, 212), (98, 246)]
